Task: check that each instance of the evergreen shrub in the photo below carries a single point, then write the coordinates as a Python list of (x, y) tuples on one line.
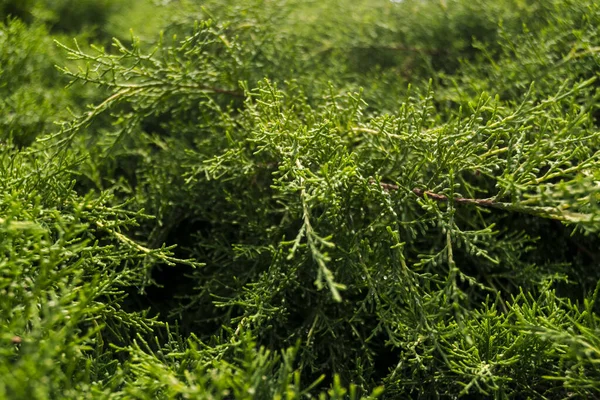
[(294, 199)]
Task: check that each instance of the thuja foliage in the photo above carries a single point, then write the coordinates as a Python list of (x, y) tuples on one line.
[(285, 199)]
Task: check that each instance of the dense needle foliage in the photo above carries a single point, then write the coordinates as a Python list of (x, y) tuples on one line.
[(291, 199)]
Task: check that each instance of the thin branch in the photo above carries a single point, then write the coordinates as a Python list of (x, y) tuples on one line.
[(149, 252), (539, 211), (457, 200)]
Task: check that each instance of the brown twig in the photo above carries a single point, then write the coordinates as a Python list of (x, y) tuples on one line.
[(437, 197), (387, 186), (459, 200), (538, 211)]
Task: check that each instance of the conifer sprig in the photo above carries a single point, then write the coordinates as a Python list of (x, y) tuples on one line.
[(287, 200)]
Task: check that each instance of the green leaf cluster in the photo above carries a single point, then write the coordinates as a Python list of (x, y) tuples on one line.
[(297, 199)]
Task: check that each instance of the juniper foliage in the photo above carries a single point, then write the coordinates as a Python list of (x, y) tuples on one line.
[(283, 199)]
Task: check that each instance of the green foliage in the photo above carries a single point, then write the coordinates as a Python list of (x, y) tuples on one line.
[(61, 15), (296, 199), (28, 107)]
